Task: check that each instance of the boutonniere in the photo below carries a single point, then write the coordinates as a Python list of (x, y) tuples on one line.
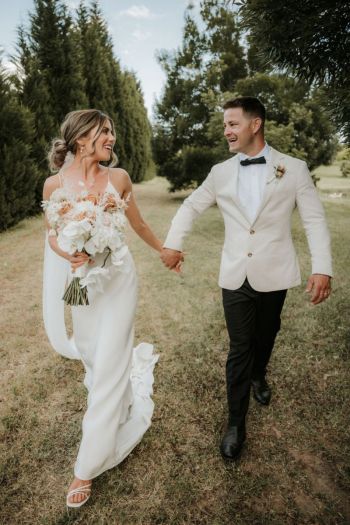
[(280, 170)]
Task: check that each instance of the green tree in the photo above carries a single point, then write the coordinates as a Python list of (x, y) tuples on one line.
[(34, 93), (210, 59), (18, 172), (50, 41), (135, 128), (308, 39), (222, 43), (345, 162), (101, 70), (51, 78), (296, 121), (97, 59), (114, 91)]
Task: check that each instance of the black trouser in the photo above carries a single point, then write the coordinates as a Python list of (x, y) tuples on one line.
[(253, 320)]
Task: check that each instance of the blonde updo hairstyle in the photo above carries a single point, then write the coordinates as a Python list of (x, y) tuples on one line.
[(76, 125)]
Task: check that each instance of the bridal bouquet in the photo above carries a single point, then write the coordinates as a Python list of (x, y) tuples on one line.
[(87, 224)]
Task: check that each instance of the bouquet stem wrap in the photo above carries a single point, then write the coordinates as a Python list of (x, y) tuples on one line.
[(75, 294)]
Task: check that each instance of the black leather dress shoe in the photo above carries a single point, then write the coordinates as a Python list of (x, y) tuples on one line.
[(232, 442), (261, 391)]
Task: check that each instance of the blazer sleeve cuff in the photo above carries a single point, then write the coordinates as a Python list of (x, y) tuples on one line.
[(173, 242), (322, 269)]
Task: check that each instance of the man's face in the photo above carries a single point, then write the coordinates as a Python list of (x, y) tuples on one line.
[(240, 130)]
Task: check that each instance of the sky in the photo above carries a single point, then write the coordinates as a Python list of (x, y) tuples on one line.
[(138, 30)]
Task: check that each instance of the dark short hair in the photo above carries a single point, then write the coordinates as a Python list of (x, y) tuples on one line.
[(250, 105)]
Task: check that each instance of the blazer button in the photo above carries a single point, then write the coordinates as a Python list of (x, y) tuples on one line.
[(251, 232), (250, 254)]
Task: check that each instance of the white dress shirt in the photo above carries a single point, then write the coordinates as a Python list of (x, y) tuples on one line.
[(252, 182)]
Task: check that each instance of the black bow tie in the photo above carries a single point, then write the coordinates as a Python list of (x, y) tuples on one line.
[(259, 160)]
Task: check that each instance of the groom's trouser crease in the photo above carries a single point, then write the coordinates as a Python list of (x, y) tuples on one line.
[(253, 321)]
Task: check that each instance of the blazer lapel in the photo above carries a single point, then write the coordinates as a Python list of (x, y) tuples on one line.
[(234, 187), (271, 180)]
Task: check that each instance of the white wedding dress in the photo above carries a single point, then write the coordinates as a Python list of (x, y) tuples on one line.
[(118, 377)]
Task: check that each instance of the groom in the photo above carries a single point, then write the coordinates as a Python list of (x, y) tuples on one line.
[(256, 192)]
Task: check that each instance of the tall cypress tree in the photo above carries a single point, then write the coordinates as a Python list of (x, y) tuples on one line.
[(110, 89), (133, 120), (98, 62), (66, 66), (34, 93), (52, 81), (101, 70), (18, 172), (51, 40)]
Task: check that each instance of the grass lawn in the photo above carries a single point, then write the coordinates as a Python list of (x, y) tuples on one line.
[(331, 179), (295, 467)]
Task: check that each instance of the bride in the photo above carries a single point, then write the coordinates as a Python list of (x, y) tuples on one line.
[(118, 378)]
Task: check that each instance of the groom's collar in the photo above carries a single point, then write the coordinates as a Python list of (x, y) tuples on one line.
[(265, 152)]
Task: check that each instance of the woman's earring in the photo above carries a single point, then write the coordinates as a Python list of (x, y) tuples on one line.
[(82, 149)]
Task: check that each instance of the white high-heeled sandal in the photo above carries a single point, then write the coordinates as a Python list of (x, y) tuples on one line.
[(84, 489)]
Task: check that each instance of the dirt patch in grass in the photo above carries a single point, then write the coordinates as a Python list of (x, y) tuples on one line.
[(324, 481)]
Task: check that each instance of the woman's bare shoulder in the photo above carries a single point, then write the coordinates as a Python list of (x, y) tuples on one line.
[(51, 184), (120, 179)]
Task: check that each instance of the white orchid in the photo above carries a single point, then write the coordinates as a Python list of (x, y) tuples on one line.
[(103, 237), (85, 223), (74, 235), (118, 256), (95, 277)]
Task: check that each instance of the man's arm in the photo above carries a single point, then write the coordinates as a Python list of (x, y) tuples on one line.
[(200, 200), (314, 221)]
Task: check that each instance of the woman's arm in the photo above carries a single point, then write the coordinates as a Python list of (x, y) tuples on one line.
[(140, 226), (133, 213), (79, 258)]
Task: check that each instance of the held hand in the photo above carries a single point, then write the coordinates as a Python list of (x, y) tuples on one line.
[(78, 259), (178, 268), (319, 286), (172, 259)]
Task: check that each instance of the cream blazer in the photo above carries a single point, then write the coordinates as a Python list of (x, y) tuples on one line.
[(261, 250)]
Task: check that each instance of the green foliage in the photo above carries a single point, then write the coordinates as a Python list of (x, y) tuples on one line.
[(345, 165), (209, 68), (112, 90), (63, 65), (308, 39), (18, 173), (51, 77), (222, 43), (100, 69), (134, 127), (343, 153), (296, 123), (186, 169), (345, 168), (210, 60)]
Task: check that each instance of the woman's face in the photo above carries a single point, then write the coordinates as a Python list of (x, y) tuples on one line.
[(101, 148)]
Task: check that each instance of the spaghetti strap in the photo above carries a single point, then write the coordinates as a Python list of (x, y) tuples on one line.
[(60, 179)]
